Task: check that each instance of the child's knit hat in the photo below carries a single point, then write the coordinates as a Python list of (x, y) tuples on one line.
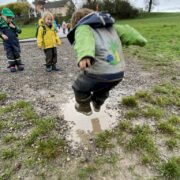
[(7, 12)]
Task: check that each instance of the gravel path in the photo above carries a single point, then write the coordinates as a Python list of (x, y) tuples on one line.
[(48, 92)]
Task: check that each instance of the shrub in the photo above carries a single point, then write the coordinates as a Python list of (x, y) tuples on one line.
[(119, 8)]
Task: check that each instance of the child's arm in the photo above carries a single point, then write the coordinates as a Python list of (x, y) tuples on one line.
[(17, 29), (84, 45), (58, 41), (40, 37), (3, 36), (130, 36)]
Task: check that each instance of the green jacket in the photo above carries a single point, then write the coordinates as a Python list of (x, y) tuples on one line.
[(3, 25), (104, 46)]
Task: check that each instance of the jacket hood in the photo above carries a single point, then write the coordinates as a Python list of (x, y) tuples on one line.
[(41, 22), (95, 20)]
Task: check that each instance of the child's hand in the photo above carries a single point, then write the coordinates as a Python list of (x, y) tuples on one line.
[(85, 63), (4, 37), (12, 25)]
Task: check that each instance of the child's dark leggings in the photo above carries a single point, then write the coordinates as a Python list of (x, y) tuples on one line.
[(13, 55), (87, 89), (51, 56)]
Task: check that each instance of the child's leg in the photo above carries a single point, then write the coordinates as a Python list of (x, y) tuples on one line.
[(19, 63), (101, 94), (49, 56), (82, 90), (11, 58), (54, 60)]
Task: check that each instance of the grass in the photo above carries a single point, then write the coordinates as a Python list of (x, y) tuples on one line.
[(26, 135), (111, 159), (14, 106), (124, 126), (166, 128), (29, 113), (6, 109), (1, 125), (171, 168), (141, 140), (146, 159), (51, 148), (103, 140), (172, 143), (3, 96), (155, 112), (28, 31), (8, 153), (162, 34), (145, 95), (9, 138), (131, 114), (43, 126), (86, 171), (174, 120), (129, 101)]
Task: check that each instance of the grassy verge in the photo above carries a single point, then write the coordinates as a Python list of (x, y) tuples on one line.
[(147, 122), (28, 31), (162, 33), (28, 141)]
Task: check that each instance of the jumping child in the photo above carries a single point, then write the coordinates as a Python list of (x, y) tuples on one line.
[(97, 42)]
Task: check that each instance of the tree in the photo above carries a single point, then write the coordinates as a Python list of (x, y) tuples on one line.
[(150, 4), (18, 9)]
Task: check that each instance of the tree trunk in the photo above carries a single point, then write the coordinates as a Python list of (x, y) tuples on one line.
[(150, 5)]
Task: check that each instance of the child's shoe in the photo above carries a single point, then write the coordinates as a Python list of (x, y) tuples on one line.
[(96, 107), (48, 68), (20, 67), (12, 69), (84, 109), (54, 68)]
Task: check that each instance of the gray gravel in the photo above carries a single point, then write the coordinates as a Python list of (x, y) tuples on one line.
[(48, 92)]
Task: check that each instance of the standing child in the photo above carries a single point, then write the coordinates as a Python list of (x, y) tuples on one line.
[(48, 40), (97, 43), (64, 26), (8, 32)]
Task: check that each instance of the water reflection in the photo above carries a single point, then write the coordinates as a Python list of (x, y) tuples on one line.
[(84, 126)]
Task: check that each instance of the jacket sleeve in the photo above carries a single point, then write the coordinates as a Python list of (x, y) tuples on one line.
[(0, 33), (58, 41), (129, 35), (17, 29), (0, 28), (40, 37), (84, 43)]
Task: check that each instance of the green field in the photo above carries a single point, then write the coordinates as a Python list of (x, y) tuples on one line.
[(161, 30), (162, 33), (28, 31)]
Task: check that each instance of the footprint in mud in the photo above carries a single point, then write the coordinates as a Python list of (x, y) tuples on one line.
[(83, 126)]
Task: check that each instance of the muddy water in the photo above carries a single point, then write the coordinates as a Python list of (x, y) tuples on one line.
[(85, 126)]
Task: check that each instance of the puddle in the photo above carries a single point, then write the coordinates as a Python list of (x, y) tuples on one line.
[(84, 126)]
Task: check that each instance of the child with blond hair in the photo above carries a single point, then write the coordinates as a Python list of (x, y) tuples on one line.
[(48, 40)]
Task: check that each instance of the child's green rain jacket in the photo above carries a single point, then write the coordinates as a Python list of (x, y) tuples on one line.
[(102, 42)]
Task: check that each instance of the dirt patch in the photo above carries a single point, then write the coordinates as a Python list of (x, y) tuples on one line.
[(50, 93)]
